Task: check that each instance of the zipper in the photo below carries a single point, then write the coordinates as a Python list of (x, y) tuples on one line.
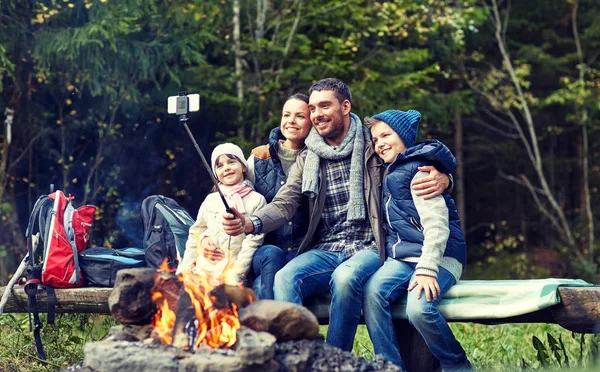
[(387, 211), (398, 241), (416, 224)]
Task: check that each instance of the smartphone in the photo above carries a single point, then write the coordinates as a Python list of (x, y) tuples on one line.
[(181, 105)]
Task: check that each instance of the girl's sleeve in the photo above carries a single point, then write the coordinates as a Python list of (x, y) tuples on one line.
[(250, 243), (191, 246), (433, 214)]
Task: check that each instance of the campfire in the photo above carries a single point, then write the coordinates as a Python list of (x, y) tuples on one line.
[(181, 323), (204, 315)]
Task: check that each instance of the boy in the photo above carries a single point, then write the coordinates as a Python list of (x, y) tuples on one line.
[(425, 247)]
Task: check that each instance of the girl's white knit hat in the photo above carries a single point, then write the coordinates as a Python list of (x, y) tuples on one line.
[(227, 149)]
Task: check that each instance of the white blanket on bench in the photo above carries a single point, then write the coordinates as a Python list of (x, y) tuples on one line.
[(496, 299), (485, 299)]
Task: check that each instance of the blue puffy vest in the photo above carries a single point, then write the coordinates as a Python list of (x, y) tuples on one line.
[(269, 178), (404, 237)]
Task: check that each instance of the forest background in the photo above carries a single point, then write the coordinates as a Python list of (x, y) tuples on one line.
[(512, 87)]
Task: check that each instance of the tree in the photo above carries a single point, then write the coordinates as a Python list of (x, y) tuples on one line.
[(507, 91)]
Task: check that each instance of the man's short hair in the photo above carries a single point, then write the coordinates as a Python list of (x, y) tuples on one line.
[(340, 89)]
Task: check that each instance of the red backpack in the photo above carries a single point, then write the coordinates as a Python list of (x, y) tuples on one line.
[(56, 233)]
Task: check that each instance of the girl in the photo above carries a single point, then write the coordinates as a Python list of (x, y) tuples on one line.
[(425, 247), (223, 254)]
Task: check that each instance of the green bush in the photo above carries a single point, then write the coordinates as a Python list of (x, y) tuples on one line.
[(63, 342)]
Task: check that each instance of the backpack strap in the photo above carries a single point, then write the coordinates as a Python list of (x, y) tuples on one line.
[(31, 291), (51, 298), (34, 278), (35, 229)]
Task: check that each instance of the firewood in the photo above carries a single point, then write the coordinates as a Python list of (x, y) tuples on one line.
[(224, 295), (184, 330)]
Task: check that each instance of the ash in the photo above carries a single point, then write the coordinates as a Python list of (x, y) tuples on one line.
[(316, 355)]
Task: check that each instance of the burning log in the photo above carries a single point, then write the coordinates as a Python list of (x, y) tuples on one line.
[(284, 320), (224, 295), (204, 316), (184, 330)]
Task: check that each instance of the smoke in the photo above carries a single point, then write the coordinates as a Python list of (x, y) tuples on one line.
[(128, 221)]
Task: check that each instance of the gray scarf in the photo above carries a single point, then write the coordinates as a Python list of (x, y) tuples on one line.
[(353, 143)]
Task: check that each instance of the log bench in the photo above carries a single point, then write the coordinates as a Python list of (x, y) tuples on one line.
[(577, 309)]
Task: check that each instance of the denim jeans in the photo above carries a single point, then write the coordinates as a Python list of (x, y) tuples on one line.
[(387, 285), (268, 260), (317, 271)]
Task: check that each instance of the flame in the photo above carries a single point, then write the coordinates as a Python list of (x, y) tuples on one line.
[(215, 327), (164, 319), (164, 266)]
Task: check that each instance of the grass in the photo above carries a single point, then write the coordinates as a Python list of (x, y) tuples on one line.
[(63, 342), (507, 347), (490, 348)]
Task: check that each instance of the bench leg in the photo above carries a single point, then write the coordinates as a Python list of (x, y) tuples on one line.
[(413, 349)]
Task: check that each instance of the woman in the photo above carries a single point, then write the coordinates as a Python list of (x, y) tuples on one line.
[(268, 167)]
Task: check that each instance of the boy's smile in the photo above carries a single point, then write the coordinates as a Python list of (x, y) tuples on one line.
[(386, 141)]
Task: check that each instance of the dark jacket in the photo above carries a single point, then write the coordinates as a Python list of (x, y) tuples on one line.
[(405, 233), (269, 178)]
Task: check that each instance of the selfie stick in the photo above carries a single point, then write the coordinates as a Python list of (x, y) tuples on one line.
[(183, 118)]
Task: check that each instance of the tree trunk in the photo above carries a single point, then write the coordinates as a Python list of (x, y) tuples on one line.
[(586, 194), (459, 179), (238, 66), (527, 131), (586, 199)]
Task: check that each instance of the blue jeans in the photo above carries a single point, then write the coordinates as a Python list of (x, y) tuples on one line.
[(387, 285), (268, 260), (317, 271)]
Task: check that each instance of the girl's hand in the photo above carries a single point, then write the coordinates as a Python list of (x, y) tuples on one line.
[(428, 284), (210, 250)]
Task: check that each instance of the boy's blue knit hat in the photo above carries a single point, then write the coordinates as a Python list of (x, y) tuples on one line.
[(404, 123)]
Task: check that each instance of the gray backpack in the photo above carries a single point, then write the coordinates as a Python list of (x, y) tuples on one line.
[(166, 228)]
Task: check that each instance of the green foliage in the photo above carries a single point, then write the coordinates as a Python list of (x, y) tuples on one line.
[(88, 82), (586, 357), (63, 342), (511, 347)]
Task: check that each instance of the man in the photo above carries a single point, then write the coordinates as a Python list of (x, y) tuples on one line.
[(344, 245)]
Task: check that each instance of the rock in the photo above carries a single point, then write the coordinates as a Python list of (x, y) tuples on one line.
[(130, 302), (108, 356), (292, 355), (254, 352), (129, 332), (254, 347), (284, 320)]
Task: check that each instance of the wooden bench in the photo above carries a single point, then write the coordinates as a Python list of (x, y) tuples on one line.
[(578, 311)]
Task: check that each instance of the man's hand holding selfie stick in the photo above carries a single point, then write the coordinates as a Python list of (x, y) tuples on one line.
[(236, 223)]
